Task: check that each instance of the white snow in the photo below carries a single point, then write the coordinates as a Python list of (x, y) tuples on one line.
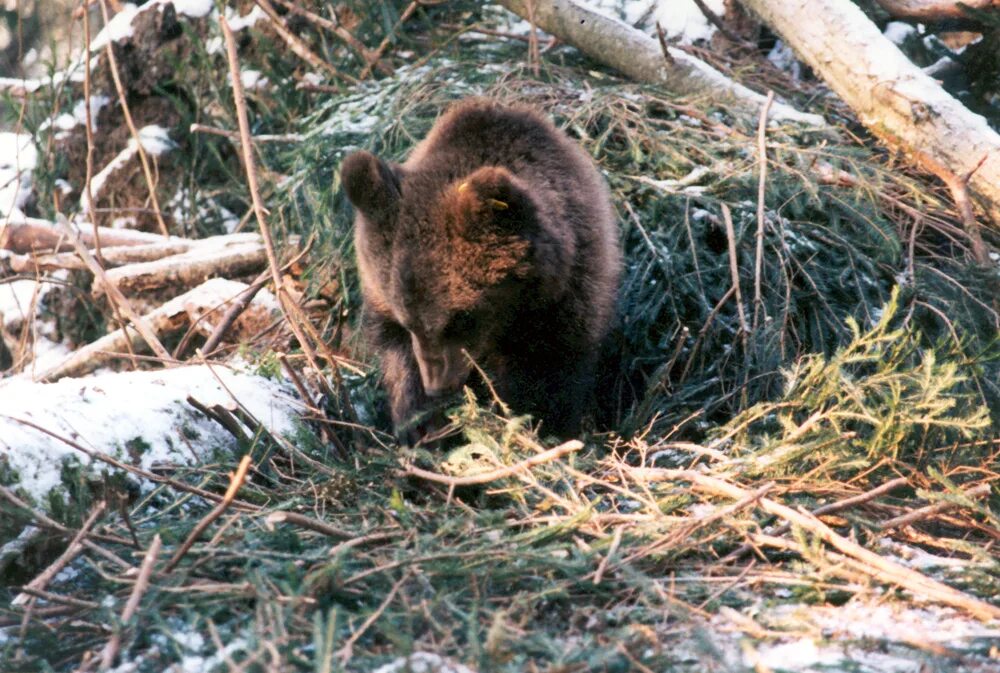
[(16, 300), (423, 662), (18, 157), (110, 411), (682, 21), (897, 31), (253, 79), (156, 140), (238, 23), (118, 28)]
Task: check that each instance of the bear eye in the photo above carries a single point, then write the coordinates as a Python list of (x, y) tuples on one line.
[(461, 324)]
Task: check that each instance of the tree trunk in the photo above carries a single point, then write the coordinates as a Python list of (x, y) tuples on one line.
[(641, 58), (895, 99)]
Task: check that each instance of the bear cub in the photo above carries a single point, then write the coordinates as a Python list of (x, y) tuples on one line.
[(494, 243)]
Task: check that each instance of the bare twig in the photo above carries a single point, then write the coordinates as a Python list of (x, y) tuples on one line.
[(300, 48), (334, 27), (376, 56), (716, 21), (141, 584), (830, 508), (734, 268), (75, 547), (309, 523), (235, 481), (758, 302), (933, 510)]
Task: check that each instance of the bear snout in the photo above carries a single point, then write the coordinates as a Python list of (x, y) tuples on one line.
[(443, 369)]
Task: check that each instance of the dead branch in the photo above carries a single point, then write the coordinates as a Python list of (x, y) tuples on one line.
[(236, 480), (933, 10), (933, 510), (117, 299), (638, 55), (141, 583)]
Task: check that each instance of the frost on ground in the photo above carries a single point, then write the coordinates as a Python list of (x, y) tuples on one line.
[(138, 417), (423, 662)]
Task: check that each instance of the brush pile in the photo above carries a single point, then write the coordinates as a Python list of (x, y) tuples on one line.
[(793, 459)]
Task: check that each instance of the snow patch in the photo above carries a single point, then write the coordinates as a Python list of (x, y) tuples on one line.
[(156, 140), (140, 417), (423, 662), (683, 22), (18, 299), (897, 32), (18, 157)]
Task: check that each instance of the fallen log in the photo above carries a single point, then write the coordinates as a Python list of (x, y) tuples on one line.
[(896, 100), (111, 256), (189, 308), (23, 235), (225, 256), (640, 57)]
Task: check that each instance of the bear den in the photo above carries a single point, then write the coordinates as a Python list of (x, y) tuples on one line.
[(494, 243)]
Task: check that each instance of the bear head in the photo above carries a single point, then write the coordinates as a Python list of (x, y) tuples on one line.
[(452, 259)]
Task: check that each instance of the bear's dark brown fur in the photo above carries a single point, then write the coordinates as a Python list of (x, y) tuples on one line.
[(494, 241)]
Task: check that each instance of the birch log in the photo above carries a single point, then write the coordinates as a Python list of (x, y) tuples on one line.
[(640, 57), (895, 99)]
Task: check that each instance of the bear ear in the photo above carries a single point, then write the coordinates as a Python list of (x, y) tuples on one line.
[(373, 186), (492, 199)]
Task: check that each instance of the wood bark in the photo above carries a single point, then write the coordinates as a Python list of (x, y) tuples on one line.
[(933, 10), (641, 58), (113, 256), (895, 99), (29, 234)]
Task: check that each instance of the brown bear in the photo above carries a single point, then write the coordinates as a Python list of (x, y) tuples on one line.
[(494, 243)]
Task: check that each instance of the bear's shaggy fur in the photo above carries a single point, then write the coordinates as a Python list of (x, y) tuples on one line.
[(494, 243)]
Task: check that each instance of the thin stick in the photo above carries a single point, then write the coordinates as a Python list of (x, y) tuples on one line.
[(233, 312), (830, 508), (90, 135), (716, 21), (114, 294), (141, 584), (758, 303), (235, 481), (734, 269), (602, 567), (239, 100), (234, 135), (338, 30), (933, 510), (493, 475), (304, 521), (147, 172)]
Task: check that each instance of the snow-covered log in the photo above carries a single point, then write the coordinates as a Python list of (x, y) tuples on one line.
[(640, 57), (141, 418), (894, 98), (113, 256), (211, 297)]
